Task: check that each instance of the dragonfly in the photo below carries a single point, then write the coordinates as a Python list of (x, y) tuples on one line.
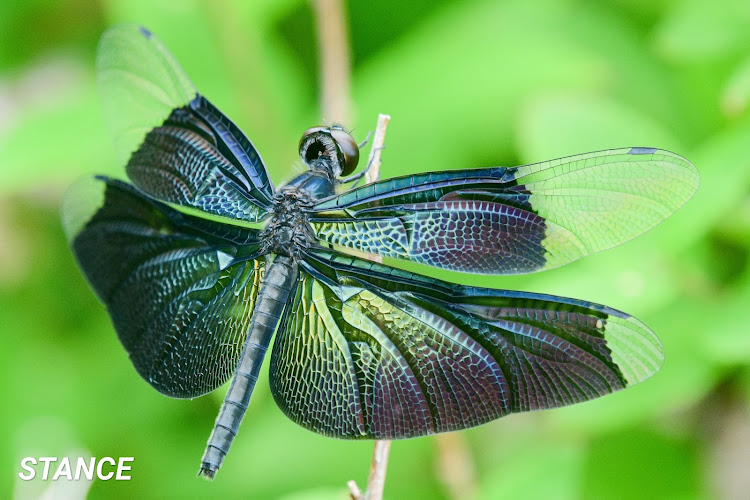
[(200, 259)]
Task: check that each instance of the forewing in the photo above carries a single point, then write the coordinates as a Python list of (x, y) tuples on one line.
[(368, 351), (175, 144), (511, 220), (180, 289)]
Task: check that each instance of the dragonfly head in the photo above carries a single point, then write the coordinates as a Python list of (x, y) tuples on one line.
[(329, 148)]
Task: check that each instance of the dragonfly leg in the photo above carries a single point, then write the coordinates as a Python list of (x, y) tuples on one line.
[(352, 178), (356, 177)]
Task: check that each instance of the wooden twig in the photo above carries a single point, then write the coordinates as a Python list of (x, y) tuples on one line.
[(354, 491), (378, 468), (333, 45), (455, 467), (379, 465), (373, 162)]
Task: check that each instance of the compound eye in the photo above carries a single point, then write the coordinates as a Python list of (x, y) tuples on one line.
[(308, 132), (349, 148), (313, 130)]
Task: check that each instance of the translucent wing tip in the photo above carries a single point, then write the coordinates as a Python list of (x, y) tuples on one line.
[(596, 201), (145, 32), (116, 36), (123, 31), (82, 200), (140, 84), (686, 177), (635, 349)]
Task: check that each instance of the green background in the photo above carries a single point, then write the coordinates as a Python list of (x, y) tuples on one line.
[(468, 84)]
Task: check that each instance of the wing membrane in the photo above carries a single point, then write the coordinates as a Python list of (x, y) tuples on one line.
[(180, 289), (367, 351), (177, 146), (511, 220)]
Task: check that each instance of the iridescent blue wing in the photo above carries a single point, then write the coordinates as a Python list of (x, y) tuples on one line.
[(180, 289), (368, 351), (175, 144), (511, 220)]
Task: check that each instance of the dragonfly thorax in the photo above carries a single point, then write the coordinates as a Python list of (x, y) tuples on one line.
[(288, 231)]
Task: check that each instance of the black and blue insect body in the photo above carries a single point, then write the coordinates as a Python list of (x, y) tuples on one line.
[(200, 259)]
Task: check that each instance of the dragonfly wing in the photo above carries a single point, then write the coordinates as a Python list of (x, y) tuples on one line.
[(180, 289), (368, 351), (511, 220), (177, 146)]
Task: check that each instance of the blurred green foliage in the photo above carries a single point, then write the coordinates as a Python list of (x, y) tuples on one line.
[(471, 83)]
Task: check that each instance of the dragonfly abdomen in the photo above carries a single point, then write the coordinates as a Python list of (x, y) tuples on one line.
[(272, 296)]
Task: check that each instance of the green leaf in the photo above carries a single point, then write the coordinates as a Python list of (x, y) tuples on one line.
[(561, 124), (736, 92), (518, 475), (642, 464), (56, 142), (696, 30)]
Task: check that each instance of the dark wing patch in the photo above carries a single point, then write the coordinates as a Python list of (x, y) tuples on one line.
[(177, 146), (180, 162), (180, 289), (511, 220), (368, 351)]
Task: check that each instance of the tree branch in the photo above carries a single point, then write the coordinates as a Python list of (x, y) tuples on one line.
[(373, 162), (379, 465), (333, 45), (336, 107)]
